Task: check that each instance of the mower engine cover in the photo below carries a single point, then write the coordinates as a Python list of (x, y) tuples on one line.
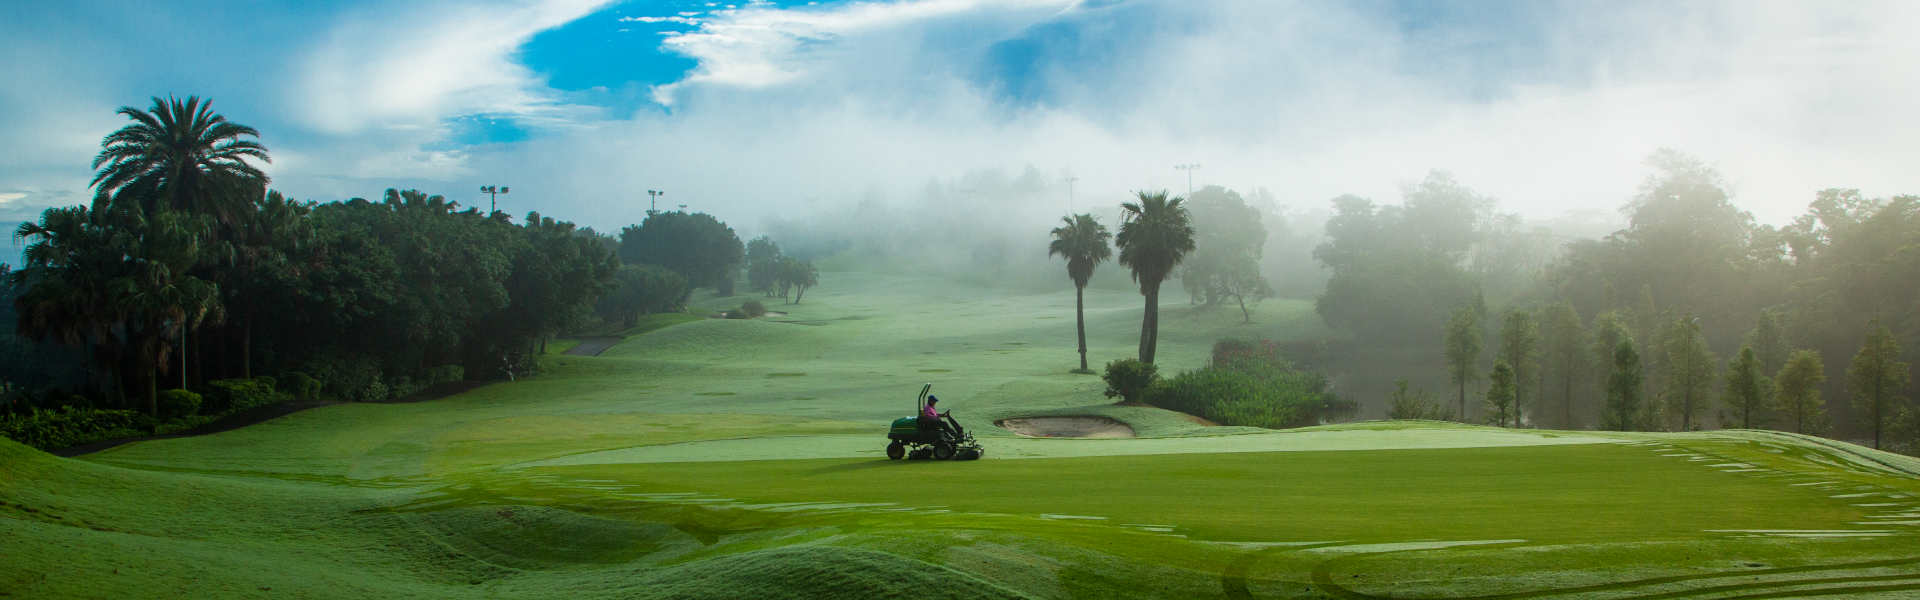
[(905, 426)]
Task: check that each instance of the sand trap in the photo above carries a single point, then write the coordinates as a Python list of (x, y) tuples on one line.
[(1074, 427)]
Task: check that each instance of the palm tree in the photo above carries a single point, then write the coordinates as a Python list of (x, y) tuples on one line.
[(66, 273), (157, 299), (1155, 233), (1085, 243), (180, 155)]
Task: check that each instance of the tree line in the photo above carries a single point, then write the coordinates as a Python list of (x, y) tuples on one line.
[(186, 271), (1690, 279)]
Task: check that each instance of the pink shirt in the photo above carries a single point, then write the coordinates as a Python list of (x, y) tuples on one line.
[(928, 412)]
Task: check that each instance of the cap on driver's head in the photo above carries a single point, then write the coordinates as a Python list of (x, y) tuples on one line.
[(931, 399)]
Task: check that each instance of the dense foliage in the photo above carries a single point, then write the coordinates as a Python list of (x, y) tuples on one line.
[(1249, 384), (186, 276), (697, 246)]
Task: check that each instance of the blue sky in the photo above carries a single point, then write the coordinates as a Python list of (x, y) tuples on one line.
[(748, 110)]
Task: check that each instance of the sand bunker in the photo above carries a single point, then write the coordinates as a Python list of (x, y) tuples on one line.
[(1075, 427)]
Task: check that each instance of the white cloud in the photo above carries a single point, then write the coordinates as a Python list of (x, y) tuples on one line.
[(410, 67), (761, 46), (1309, 100)]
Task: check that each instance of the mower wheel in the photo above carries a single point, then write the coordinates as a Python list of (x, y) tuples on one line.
[(942, 450), (970, 454), (896, 451)]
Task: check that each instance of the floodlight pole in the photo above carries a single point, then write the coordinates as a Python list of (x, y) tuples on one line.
[(1070, 181), (493, 194), (1189, 169), (653, 201)]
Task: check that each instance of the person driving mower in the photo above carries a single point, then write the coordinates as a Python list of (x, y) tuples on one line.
[(930, 419), (931, 434)]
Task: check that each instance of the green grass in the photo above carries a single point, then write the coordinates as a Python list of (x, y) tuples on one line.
[(741, 458)]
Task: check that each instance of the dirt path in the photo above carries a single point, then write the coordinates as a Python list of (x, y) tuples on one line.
[(592, 346), (270, 412)]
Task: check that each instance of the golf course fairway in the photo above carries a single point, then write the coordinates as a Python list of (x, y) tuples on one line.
[(708, 458)]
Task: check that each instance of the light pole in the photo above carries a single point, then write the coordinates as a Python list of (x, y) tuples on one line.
[(653, 200), (1189, 169), (1070, 181), (493, 195)]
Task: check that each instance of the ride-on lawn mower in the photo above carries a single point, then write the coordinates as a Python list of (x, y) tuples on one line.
[(928, 439)]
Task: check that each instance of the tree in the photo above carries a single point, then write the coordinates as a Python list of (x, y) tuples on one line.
[(641, 290), (1085, 243), (68, 282), (1501, 393), (1155, 234), (1690, 369), (1242, 281), (1799, 395), (1519, 346), (1769, 343), (1565, 348), (1748, 399), (799, 275), (1875, 379), (1623, 388), (1463, 344), (763, 264), (158, 299), (1229, 237), (181, 156), (697, 246)]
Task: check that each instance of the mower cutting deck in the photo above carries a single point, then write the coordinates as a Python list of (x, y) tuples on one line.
[(921, 438)]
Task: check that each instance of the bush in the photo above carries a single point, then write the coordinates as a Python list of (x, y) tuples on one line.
[(346, 378), (1249, 384), (753, 308), (175, 404), (56, 429), (1418, 404), (738, 314), (299, 385), (231, 395), (446, 374), (1129, 379)]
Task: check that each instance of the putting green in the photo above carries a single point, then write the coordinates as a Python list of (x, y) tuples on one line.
[(734, 458)]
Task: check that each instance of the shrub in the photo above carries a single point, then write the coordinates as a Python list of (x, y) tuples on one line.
[(1250, 384), (1128, 379), (229, 395), (175, 404), (56, 429), (738, 314), (299, 385), (1418, 404), (346, 378), (753, 308), (446, 374), (375, 392)]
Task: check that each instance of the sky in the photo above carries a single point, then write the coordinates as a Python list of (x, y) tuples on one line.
[(756, 111)]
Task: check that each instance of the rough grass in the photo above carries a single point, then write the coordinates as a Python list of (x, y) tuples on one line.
[(692, 461)]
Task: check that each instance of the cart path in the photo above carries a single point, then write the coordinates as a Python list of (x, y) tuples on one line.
[(593, 346)]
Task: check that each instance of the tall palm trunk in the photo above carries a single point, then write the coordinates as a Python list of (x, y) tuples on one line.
[(1080, 320), (153, 392), (1150, 325), (246, 349)]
